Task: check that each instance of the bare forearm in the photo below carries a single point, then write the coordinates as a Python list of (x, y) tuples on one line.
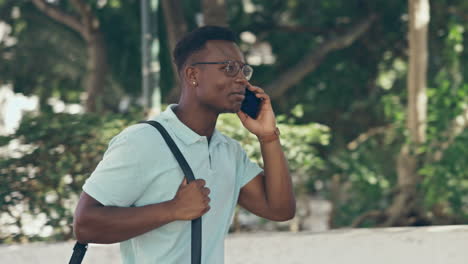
[(108, 224), (278, 183)]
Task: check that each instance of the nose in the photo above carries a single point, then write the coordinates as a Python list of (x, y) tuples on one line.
[(241, 80)]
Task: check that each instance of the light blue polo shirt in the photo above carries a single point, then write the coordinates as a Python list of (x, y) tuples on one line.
[(138, 169)]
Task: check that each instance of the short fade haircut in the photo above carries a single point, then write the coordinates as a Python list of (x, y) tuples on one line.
[(196, 40)]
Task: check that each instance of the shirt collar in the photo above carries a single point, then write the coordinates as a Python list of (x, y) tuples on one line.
[(183, 132)]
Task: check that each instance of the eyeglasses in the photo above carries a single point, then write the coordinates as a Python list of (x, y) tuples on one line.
[(232, 68)]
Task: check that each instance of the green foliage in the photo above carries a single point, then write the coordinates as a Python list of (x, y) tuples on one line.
[(300, 144), (446, 181), (367, 177), (42, 176)]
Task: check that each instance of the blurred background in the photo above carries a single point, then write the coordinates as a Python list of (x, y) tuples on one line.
[(370, 97)]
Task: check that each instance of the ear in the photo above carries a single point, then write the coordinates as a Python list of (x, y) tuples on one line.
[(191, 76)]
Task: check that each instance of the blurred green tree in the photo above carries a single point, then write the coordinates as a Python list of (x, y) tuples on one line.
[(64, 50), (344, 62)]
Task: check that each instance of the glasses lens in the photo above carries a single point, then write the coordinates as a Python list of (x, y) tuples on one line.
[(232, 68), (247, 71)]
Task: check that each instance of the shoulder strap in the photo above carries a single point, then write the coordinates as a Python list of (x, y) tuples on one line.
[(175, 150), (196, 223), (79, 250)]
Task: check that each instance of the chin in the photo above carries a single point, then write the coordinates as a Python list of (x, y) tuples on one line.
[(235, 109), (229, 111)]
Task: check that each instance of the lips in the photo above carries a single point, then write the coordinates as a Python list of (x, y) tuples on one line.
[(238, 96)]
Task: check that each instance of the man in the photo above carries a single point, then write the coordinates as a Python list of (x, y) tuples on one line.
[(138, 196)]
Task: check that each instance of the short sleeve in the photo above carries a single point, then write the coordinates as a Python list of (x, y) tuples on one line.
[(247, 170), (116, 181)]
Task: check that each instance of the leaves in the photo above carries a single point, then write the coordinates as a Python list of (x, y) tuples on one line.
[(300, 143), (44, 173)]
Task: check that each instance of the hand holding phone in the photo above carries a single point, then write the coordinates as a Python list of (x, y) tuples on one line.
[(251, 104)]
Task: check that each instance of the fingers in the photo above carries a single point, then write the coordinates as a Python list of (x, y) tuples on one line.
[(256, 89), (260, 93), (242, 116), (200, 183), (262, 96), (206, 191), (206, 210), (252, 88), (206, 198)]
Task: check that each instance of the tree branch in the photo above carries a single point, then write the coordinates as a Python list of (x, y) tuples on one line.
[(311, 60), (79, 6), (299, 29), (59, 16), (366, 135), (456, 127), (88, 19), (454, 11)]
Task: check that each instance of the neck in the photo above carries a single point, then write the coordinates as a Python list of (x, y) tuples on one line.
[(197, 118)]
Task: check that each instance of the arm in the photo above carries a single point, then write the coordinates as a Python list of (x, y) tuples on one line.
[(269, 194), (96, 223)]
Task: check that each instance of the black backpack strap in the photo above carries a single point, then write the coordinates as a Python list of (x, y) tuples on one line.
[(175, 150), (79, 251), (196, 223)]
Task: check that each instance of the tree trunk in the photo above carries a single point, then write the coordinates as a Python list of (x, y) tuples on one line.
[(176, 27), (87, 25), (417, 101), (96, 71), (335, 191), (405, 203), (215, 13)]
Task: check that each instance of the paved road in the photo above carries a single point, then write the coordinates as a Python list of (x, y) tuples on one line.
[(424, 245)]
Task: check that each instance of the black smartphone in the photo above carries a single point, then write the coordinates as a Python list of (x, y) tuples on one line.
[(251, 104)]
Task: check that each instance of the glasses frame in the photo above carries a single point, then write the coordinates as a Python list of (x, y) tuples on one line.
[(228, 62)]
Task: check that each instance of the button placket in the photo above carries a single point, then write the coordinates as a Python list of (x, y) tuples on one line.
[(206, 147)]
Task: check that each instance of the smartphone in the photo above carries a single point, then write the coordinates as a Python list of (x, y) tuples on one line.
[(251, 104)]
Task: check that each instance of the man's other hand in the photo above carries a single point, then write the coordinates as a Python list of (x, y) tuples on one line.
[(191, 200)]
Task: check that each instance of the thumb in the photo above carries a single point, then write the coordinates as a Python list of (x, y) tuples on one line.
[(184, 182)]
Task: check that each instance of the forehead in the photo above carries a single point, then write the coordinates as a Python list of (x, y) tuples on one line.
[(222, 50)]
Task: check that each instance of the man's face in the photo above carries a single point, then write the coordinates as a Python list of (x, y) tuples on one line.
[(216, 90)]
